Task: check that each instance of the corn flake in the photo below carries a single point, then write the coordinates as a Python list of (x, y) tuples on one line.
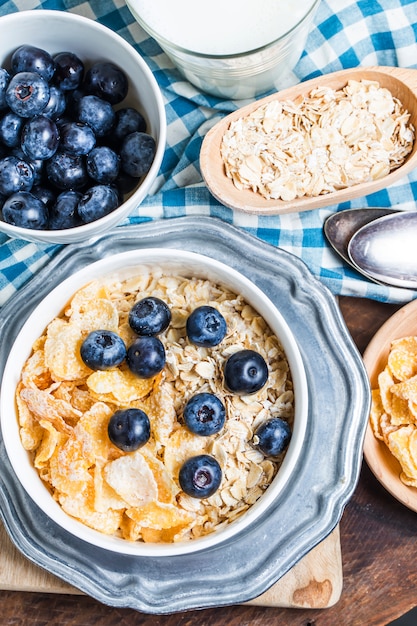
[(44, 405), (120, 387), (160, 516), (399, 443), (62, 351), (132, 479), (402, 360), (81, 506), (50, 440), (69, 470)]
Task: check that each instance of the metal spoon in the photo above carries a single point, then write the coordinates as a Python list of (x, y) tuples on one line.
[(386, 249), (341, 226)]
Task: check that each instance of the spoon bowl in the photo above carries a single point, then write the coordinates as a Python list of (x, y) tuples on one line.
[(340, 227), (385, 249), (401, 82)]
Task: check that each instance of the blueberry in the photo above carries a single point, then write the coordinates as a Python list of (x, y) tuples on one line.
[(200, 476), (102, 164), (15, 175), (57, 103), (206, 326), (97, 113), (40, 138), (63, 213), (137, 154), (146, 356), (125, 183), (204, 414), (69, 71), (66, 171), (106, 80), (29, 58), (10, 129), (25, 210), (76, 138), (45, 194), (127, 121), (102, 350), (97, 202), (27, 94), (4, 81), (272, 437), (129, 429), (245, 372), (149, 316), (73, 101), (37, 166)]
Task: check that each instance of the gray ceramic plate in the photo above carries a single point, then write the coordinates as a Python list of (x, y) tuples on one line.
[(325, 476)]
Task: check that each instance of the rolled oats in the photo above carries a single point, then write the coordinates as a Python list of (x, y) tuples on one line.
[(319, 143)]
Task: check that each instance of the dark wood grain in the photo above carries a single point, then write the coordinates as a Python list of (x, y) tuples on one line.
[(378, 537)]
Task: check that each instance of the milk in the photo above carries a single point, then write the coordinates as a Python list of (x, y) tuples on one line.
[(221, 27), (230, 48)]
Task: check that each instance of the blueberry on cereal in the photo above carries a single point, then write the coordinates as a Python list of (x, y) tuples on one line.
[(129, 429), (204, 414), (272, 437), (200, 476), (149, 316), (245, 372), (146, 356), (102, 350), (206, 326)]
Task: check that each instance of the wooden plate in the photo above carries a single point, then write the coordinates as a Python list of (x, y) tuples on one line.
[(382, 463)]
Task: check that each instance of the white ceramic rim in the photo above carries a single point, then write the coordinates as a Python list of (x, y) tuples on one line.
[(128, 263), (85, 231)]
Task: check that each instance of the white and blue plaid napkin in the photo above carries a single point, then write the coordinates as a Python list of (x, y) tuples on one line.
[(345, 34)]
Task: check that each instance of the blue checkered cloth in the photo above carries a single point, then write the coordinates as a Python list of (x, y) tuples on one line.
[(345, 34)]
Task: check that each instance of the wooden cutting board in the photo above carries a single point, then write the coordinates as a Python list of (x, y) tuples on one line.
[(315, 582)]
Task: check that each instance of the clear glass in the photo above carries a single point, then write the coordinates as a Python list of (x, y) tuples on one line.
[(239, 76)]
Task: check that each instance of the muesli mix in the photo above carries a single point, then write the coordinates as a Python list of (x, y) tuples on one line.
[(96, 472)]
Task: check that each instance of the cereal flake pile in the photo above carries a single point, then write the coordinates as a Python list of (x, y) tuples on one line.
[(394, 407), (64, 409), (320, 143)]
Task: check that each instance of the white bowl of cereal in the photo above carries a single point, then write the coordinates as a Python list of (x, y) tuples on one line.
[(85, 183), (58, 437)]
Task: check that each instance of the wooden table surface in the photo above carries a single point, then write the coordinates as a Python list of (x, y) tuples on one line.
[(378, 550)]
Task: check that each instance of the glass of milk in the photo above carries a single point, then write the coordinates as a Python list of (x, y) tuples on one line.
[(232, 49)]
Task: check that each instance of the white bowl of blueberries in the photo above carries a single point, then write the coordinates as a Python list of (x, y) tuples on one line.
[(82, 127)]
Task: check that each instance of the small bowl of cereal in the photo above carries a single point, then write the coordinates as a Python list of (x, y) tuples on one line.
[(85, 148), (154, 403), (322, 142), (390, 446)]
